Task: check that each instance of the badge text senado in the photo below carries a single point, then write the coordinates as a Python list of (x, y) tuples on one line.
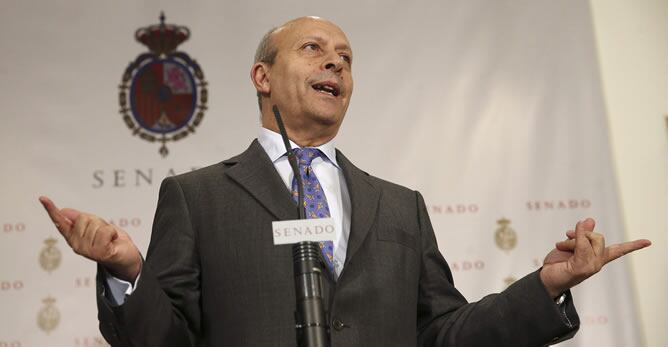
[(304, 230)]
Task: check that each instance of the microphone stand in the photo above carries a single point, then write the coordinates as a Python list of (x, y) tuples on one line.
[(311, 322)]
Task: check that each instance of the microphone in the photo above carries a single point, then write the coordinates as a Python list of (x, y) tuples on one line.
[(310, 318), (292, 159)]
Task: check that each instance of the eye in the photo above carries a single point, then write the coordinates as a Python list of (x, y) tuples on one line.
[(311, 46), (346, 58)]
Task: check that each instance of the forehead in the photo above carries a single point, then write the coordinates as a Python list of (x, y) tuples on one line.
[(303, 29)]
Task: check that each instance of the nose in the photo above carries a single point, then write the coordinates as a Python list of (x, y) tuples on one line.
[(330, 66), (333, 63)]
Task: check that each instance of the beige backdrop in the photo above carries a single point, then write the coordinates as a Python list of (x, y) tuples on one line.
[(493, 110)]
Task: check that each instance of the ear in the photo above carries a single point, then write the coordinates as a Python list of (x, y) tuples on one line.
[(259, 74)]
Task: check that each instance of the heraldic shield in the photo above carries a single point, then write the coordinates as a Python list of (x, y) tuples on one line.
[(163, 93)]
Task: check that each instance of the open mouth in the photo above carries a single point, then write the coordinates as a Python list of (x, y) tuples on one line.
[(327, 88)]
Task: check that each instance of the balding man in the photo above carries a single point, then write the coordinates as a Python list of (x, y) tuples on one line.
[(213, 276)]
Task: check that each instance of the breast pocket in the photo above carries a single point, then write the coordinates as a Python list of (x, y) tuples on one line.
[(398, 236)]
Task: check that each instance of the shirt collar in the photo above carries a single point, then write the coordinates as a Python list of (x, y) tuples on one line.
[(272, 143)]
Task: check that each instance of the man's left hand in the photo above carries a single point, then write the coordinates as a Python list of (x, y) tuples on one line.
[(581, 256)]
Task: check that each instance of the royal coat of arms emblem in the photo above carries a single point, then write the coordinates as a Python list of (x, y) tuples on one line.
[(505, 237), (49, 316), (163, 93), (50, 256)]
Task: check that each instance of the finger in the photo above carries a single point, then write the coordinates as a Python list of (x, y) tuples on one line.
[(78, 231), (62, 223), (570, 243), (96, 236), (597, 241), (106, 235), (90, 232), (557, 256), (571, 233), (566, 245), (70, 213), (582, 244), (103, 243), (617, 250), (588, 224), (116, 234)]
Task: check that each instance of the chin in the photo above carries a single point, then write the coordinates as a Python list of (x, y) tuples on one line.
[(328, 119), (324, 113)]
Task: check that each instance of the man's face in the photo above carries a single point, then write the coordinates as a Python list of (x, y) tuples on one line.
[(311, 80)]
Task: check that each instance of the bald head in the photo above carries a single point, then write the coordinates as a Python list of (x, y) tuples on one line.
[(267, 50)]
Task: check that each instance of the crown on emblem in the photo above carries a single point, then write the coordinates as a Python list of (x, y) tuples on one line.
[(162, 38), (503, 221), (50, 241)]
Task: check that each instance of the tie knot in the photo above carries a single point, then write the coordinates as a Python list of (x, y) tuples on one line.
[(306, 155)]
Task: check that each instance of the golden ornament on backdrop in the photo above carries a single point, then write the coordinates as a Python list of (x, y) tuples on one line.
[(50, 256), (49, 316), (505, 236)]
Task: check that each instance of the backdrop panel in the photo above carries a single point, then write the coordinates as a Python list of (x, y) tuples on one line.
[(492, 109)]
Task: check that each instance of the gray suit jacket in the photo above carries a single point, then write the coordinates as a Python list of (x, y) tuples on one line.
[(213, 277)]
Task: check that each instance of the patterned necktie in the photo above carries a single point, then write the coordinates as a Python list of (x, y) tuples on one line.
[(315, 202)]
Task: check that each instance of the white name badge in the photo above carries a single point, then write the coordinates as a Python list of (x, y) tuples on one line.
[(298, 230)]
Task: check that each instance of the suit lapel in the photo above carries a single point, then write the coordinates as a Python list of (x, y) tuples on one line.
[(254, 171), (364, 198)]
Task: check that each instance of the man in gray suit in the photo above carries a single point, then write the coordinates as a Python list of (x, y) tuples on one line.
[(213, 276)]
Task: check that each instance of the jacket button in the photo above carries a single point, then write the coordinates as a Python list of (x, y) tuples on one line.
[(338, 324)]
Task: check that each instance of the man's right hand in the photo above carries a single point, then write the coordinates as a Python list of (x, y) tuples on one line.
[(92, 237)]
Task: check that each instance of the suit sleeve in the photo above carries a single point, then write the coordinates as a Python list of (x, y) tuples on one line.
[(164, 308), (522, 315)]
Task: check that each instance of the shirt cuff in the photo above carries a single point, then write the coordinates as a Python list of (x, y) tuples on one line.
[(119, 289)]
